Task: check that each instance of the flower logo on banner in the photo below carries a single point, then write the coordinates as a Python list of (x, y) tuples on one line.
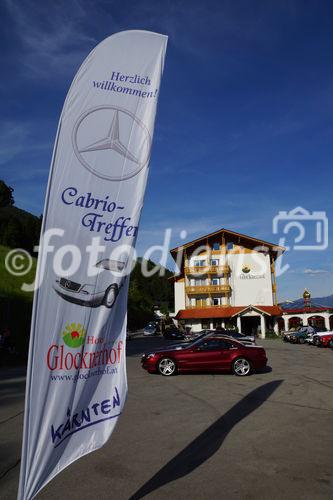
[(246, 269), (74, 335), (111, 143)]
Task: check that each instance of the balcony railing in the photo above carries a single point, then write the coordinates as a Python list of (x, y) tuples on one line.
[(204, 306), (208, 289), (207, 269)]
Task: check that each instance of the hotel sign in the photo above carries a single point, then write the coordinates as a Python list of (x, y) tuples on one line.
[(246, 270), (252, 276)]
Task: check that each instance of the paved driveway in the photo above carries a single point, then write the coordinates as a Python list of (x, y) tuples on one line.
[(201, 436)]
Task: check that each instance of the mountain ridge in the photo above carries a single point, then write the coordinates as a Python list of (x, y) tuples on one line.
[(326, 301)]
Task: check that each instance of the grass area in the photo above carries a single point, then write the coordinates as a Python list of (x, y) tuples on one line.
[(16, 305), (10, 285)]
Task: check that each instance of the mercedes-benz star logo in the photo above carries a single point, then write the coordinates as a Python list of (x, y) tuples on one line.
[(108, 157)]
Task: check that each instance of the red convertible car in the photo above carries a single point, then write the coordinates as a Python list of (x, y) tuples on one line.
[(324, 340), (211, 353)]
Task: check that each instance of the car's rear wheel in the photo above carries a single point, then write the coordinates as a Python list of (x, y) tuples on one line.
[(241, 367), (111, 295), (167, 367), (316, 341), (301, 340), (330, 344)]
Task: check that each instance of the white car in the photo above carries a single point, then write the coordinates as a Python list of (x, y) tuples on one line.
[(311, 339), (101, 289)]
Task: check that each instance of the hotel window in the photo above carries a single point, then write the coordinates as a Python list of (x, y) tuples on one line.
[(199, 282), (199, 263), (216, 245), (215, 281), (214, 262), (230, 246), (216, 301)]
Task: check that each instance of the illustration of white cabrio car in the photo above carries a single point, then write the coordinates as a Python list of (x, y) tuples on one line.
[(99, 291)]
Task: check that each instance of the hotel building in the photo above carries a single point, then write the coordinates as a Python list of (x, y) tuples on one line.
[(227, 279)]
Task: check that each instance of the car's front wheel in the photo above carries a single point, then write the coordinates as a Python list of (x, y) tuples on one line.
[(167, 367), (330, 344), (111, 295), (301, 340), (241, 367)]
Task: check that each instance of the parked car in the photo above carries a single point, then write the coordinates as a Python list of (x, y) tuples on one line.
[(190, 337), (173, 333), (288, 334), (314, 339), (241, 337), (152, 328), (246, 339), (323, 339), (303, 333), (210, 353)]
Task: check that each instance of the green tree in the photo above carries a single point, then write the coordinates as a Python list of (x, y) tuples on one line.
[(147, 293), (12, 234), (6, 195)]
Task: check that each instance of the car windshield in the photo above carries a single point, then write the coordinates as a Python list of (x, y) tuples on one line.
[(111, 265)]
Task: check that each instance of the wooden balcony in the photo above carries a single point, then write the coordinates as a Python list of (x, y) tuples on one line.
[(226, 289), (207, 270), (219, 270)]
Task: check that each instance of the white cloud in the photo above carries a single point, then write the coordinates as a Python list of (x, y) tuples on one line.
[(314, 272), (12, 138), (16, 137), (52, 36)]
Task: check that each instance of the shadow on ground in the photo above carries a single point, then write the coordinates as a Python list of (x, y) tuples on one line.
[(208, 442)]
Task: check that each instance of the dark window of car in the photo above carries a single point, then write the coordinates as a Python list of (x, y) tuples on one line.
[(214, 345), (226, 345)]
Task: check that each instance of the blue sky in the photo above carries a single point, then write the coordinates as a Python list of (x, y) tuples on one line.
[(244, 126)]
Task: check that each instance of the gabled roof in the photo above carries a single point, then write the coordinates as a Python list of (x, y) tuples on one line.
[(261, 309), (237, 237)]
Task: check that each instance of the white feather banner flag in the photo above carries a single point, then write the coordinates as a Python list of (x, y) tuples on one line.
[(76, 380)]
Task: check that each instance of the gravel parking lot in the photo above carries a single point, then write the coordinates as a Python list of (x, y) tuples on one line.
[(201, 436)]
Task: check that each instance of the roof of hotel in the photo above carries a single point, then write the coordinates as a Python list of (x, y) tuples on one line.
[(224, 312), (307, 310), (239, 236)]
